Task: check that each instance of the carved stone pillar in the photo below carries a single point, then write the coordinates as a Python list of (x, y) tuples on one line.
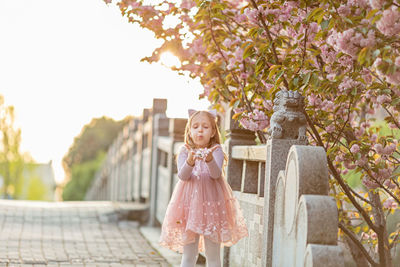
[(287, 128), (236, 136), (160, 128), (143, 144), (176, 132)]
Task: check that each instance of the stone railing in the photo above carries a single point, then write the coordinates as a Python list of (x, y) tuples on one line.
[(281, 186)]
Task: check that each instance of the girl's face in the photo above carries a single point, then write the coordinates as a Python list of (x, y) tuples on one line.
[(201, 130)]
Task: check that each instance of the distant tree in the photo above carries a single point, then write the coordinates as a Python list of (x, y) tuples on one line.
[(12, 161), (86, 154), (81, 178), (94, 137), (37, 190)]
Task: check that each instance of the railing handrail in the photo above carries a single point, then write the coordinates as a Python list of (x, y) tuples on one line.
[(250, 153)]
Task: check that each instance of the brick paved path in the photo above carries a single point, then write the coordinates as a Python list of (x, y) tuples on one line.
[(70, 234)]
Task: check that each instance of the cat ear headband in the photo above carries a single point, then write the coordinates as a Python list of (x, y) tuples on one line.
[(213, 112)]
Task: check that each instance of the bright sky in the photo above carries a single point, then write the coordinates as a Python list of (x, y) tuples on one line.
[(63, 63)]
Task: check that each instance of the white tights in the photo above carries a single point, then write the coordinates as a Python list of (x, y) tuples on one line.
[(191, 251)]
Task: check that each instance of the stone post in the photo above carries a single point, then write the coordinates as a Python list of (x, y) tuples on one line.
[(176, 132), (236, 136), (159, 108), (119, 167), (134, 128), (234, 169), (142, 145), (113, 178), (160, 128), (287, 128), (160, 124)]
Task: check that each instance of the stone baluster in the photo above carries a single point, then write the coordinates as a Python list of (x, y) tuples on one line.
[(234, 169), (287, 128), (237, 136), (134, 179), (130, 155), (176, 132), (159, 107), (141, 145), (160, 128)]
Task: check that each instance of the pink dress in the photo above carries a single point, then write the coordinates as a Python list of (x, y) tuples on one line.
[(202, 203)]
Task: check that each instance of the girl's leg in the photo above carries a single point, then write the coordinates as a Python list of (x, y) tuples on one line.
[(190, 253), (213, 256)]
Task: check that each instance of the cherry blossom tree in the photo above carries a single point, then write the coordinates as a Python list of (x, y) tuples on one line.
[(343, 56)]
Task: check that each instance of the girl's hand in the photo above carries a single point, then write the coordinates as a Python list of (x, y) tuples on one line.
[(191, 156), (210, 154)]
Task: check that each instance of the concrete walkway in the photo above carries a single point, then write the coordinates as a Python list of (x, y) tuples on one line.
[(71, 234)]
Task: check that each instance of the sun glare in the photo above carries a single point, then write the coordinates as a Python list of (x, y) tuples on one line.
[(169, 60)]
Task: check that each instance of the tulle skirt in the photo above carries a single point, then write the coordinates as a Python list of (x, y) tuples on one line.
[(204, 206)]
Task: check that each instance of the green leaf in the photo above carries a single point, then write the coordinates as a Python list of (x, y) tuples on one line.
[(376, 18), (395, 101), (371, 13), (376, 53), (280, 75), (248, 51), (314, 13), (307, 78), (354, 91), (272, 70), (362, 56), (260, 64), (325, 24)]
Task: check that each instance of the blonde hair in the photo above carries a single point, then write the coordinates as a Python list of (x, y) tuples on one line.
[(215, 139)]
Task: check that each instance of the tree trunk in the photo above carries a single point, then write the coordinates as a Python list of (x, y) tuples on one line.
[(385, 258), (356, 253)]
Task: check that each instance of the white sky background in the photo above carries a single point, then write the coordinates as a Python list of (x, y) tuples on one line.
[(63, 63)]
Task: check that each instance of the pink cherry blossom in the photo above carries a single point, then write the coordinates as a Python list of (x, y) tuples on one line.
[(330, 128), (389, 24), (378, 148), (368, 183), (362, 161), (252, 15), (344, 10), (198, 47), (397, 61), (381, 99), (187, 4), (377, 4), (374, 235), (393, 78), (359, 132), (254, 121), (134, 4), (364, 235), (390, 203)]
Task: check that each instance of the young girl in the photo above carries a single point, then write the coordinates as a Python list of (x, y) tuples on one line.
[(202, 213)]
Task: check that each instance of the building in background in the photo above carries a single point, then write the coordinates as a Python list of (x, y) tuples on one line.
[(28, 181), (39, 182)]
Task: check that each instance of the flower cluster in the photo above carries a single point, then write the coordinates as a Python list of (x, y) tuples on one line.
[(201, 153), (394, 77), (256, 120), (351, 41), (389, 24)]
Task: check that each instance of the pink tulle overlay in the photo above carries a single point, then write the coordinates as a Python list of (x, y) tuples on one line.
[(205, 206)]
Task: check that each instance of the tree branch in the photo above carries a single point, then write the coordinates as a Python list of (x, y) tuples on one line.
[(275, 54), (352, 236), (340, 180)]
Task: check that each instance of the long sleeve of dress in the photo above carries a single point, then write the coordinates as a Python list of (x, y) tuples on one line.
[(215, 165), (184, 169)]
